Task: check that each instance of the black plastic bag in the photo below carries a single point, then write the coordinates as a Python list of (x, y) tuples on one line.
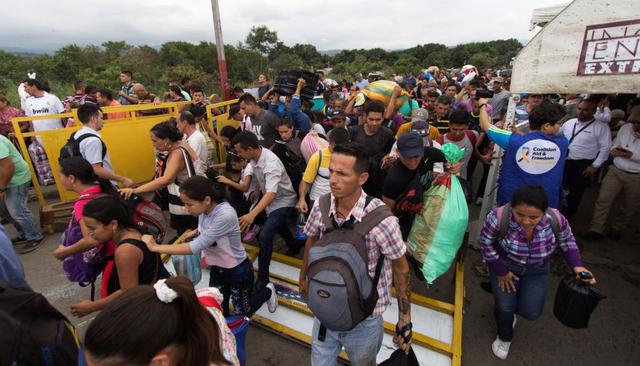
[(399, 358), (575, 301)]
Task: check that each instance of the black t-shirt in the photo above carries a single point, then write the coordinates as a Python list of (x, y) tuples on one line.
[(264, 127), (376, 147), (406, 186), (263, 89), (149, 271)]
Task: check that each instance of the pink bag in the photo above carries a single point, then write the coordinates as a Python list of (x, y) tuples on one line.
[(311, 143)]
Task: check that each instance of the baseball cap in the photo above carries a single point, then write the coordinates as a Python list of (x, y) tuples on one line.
[(419, 114), (337, 113), (498, 79), (421, 127), (411, 145)]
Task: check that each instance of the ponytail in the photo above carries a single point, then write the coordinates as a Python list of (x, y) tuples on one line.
[(83, 171), (144, 320)]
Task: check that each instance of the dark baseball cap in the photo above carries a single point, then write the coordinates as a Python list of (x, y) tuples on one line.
[(337, 113), (411, 145)]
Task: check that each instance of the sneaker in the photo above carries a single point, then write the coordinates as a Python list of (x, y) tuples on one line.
[(272, 302), (592, 235), (500, 348), (614, 234), (30, 246)]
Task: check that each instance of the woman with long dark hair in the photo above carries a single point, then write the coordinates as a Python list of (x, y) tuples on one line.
[(109, 219), (77, 175), (173, 166), (160, 325)]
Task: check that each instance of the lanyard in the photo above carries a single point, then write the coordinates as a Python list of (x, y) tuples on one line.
[(574, 134)]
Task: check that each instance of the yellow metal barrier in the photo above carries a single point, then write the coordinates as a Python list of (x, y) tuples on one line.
[(127, 140)]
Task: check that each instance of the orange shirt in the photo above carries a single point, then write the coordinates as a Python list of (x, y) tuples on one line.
[(115, 103)]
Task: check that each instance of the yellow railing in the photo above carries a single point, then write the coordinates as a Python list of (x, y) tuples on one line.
[(127, 140)]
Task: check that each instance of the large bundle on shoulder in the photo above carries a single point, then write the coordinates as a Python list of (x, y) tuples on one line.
[(438, 231), (381, 91)]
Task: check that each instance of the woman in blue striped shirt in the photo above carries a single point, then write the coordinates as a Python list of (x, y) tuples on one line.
[(517, 241)]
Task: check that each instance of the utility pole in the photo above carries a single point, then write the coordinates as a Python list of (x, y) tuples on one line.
[(222, 62)]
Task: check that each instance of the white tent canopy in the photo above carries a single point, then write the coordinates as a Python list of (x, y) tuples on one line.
[(592, 46)]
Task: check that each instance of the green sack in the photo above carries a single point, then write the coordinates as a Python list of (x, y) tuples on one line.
[(437, 233)]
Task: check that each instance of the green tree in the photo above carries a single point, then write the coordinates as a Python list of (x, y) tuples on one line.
[(262, 39)]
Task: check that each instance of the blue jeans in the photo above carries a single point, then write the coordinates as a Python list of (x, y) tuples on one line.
[(16, 200), (236, 285), (361, 343), (527, 301), (276, 223)]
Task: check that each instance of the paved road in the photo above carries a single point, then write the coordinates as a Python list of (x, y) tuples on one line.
[(612, 337)]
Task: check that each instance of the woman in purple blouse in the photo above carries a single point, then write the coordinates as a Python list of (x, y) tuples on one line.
[(518, 258)]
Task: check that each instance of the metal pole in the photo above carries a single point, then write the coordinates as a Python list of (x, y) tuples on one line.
[(222, 62), (490, 191)]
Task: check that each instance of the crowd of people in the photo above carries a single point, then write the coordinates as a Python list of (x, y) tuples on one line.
[(341, 166)]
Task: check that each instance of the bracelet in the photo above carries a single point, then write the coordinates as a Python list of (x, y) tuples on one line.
[(482, 105)]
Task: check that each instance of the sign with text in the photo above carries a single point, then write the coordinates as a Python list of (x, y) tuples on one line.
[(611, 49)]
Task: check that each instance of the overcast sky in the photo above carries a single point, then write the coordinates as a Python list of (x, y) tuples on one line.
[(327, 24)]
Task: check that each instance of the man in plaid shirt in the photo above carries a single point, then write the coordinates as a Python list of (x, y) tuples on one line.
[(347, 174)]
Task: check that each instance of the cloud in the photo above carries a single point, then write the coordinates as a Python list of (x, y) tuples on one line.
[(327, 24)]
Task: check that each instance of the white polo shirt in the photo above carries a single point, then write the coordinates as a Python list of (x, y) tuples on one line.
[(628, 139)]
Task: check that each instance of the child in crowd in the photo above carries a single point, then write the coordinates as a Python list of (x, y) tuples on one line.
[(160, 325), (218, 238), (109, 219), (240, 191)]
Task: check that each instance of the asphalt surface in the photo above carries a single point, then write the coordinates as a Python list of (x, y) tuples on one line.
[(611, 339)]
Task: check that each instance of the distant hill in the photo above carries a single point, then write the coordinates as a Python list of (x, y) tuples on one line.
[(25, 52)]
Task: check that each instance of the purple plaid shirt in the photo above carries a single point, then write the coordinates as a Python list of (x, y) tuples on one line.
[(384, 237), (515, 248)]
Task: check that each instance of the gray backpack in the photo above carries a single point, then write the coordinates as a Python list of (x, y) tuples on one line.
[(341, 292)]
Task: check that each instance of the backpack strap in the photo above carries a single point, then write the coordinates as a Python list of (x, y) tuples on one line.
[(87, 135), (554, 217), (372, 219), (324, 203), (504, 216)]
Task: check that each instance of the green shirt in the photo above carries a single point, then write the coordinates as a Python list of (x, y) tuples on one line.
[(21, 173)]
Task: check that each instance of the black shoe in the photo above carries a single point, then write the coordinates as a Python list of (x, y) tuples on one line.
[(592, 235), (293, 251), (260, 284), (30, 246), (614, 234), (18, 240)]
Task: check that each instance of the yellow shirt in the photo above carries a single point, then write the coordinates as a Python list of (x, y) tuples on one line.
[(318, 176), (406, 127)]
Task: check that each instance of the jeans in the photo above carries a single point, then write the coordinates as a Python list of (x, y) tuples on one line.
[(16, 200), (236, 286), (361, 343), (527, 301), (276, 222)]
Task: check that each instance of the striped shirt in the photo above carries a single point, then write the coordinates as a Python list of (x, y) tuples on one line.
[(515, 248), (384, 238)]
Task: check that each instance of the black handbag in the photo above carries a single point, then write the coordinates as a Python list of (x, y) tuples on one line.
[(575, 301), (399, 358)]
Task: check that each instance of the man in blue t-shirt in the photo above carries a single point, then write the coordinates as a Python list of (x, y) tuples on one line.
[(535, 158)]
